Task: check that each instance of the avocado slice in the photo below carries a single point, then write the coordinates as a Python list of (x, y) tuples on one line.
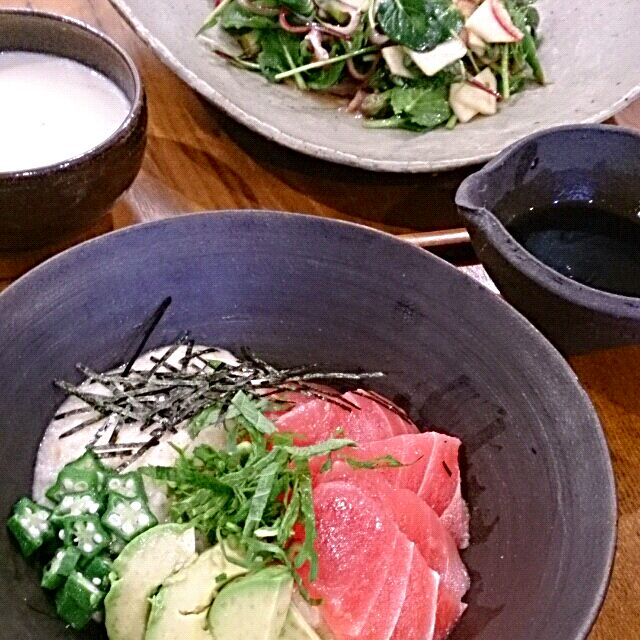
[(252, 607), (296, 627), (179, 610), (144, 564)]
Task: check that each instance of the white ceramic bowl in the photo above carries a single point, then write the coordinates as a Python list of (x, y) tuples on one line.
[(589, 55)]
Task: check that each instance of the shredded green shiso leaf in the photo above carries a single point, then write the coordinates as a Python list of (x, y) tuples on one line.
[(333, 46), (253, 493)]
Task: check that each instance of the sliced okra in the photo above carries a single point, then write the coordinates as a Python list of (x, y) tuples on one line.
[(127, 518), (89, 461), (127, 485), (59, 569), (84, 591), (78, 600), (67, 609), (86, 533), (116, 545), (98, 571), (30, 525), (72, 480), (77, 504)]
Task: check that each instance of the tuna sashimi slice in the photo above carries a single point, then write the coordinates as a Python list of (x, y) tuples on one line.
[(363, 563), (431, 470), (317, 419), (456, 519), (417, 620), (314, 421), (442, 476), (413, 451), (375, 417), (423, 527)]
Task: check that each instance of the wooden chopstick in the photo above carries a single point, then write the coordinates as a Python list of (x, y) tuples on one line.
[(430, 239)]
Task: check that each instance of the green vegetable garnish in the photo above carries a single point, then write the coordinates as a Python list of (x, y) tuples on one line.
[(254, 492), (420, 25), (367, 53)]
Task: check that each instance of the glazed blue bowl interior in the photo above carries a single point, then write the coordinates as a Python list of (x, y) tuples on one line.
[(296, 290)]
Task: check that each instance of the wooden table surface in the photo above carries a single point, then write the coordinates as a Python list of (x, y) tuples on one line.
[(197, 158)]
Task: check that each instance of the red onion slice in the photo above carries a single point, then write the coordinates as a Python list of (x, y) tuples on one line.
[(504, 20), (356, 102), (292, 28), (314, 38), (358, 75), (478, 85)]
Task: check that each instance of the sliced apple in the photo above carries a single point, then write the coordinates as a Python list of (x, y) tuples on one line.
[(461, 110), (394, 57), (480, 96), (431, 62), (504, 18), (358, 5), (477, 45), (492, 23)]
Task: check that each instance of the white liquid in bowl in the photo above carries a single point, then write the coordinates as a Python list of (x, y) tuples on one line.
[(53, 109)]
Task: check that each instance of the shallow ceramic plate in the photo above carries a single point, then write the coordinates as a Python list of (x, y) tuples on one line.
[(298, 289), (589, 54)]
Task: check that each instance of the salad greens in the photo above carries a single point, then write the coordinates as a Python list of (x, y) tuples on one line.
[(420, 25), (411, 64)]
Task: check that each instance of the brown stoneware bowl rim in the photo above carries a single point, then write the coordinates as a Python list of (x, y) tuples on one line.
[(517, 256), (120, 134)]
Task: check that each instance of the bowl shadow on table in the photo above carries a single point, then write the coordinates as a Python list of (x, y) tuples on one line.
[(421, 201)]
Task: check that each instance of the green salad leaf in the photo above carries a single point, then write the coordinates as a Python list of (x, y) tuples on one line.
[(233, 16), (424, 107), (280, 52), (301, 7), (326, 77), (420, 25)]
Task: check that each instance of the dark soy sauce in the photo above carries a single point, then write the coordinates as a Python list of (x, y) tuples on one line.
[(584, 243)]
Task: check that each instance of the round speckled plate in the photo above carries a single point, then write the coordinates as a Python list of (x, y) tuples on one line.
[(589, 54)]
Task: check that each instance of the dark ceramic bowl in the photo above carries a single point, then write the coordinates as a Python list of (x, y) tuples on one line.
[(596, 163), (299, 289), (43, 205)]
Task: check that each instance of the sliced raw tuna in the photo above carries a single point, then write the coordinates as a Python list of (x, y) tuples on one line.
[(413, 451), (364, 563), (314, 421), (423, 527), (417, 619), (431, 471), (373, 412), (456, 519), (318, 419)]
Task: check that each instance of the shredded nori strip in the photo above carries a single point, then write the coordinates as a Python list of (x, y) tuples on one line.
[(159, 400), (153, 323), (166, 396), (71, 412), (81, 425), (111, 422)]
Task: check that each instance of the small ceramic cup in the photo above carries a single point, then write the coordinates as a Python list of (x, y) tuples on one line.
[(44, 205), (598, 164)]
